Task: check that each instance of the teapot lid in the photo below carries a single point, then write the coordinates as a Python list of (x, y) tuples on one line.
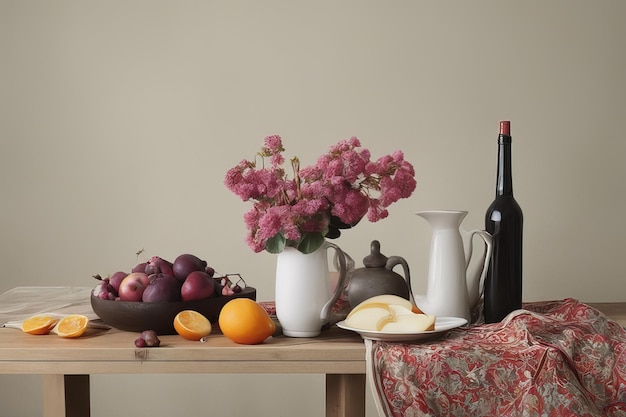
[(375, 259)]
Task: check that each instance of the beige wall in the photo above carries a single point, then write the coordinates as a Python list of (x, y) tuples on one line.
[(118, 120)]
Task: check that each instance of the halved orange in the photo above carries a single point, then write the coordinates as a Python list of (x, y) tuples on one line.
[(192, 325), (40, 324), (73, 325)]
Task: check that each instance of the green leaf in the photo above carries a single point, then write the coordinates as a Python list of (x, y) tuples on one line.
[(276, 244), (310, 242)]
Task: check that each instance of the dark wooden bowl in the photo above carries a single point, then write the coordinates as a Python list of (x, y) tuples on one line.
[(137, 316)]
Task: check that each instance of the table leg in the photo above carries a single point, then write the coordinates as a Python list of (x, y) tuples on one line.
[(345, 395), (66, 396), (53, 396)]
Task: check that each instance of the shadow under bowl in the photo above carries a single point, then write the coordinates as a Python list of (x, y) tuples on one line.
[(137, 316)]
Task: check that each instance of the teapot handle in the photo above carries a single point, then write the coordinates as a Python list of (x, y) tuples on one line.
[(340, 257), (398, 260)]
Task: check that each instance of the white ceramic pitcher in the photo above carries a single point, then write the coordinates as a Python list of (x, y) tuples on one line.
[(303, 296), (450, 292)]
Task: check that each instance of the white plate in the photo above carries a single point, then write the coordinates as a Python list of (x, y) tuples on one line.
[(442, 324)]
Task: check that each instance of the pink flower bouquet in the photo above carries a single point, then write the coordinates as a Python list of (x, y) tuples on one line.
[(341, 188)]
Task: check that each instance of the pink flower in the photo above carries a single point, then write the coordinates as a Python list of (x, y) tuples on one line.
[(341, 188), (274, 143), (271, 222)]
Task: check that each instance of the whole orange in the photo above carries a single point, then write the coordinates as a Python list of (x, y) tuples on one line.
[(244, 321)]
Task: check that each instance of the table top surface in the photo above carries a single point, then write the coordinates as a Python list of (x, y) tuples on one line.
[(100, 344), (113, 351)]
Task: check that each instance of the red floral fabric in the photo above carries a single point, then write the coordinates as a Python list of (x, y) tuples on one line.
[(560, 358)]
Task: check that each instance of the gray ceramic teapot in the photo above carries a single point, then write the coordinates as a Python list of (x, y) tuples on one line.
[(378, 278)]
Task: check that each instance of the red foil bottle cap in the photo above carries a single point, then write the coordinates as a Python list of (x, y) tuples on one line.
[(505, 128)]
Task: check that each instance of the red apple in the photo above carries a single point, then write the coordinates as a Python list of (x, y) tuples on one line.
[(197, 286), (133, 286)]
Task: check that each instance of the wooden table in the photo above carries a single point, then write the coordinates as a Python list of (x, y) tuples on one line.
[(67, 363)]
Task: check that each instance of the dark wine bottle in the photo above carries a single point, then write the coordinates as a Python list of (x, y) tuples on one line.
[(504, 220)]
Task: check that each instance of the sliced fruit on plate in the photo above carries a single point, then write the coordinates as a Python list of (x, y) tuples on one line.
[(389, 313), (399, 310), (409, 323), (372, 316), (389, 299)]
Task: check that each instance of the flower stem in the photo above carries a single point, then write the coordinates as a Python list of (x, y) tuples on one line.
[(295, 165)]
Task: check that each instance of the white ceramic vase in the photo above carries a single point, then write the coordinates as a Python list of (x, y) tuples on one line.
[(303, 297)]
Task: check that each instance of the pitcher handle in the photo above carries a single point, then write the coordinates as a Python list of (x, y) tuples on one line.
[(488, 239), (343, 271)]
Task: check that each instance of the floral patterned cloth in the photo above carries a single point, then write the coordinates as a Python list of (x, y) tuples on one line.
[(558, 358)]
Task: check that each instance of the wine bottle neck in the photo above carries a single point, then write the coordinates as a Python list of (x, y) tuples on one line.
[(504, 181)]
